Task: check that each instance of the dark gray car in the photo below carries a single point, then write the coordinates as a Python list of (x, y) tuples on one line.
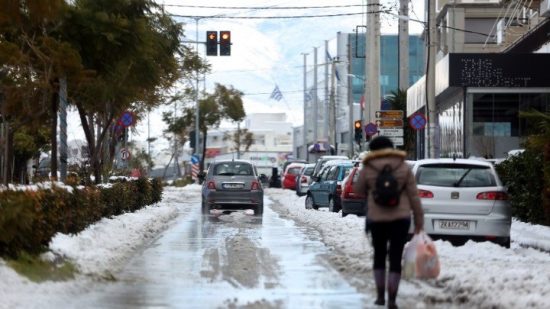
[(232, 185)]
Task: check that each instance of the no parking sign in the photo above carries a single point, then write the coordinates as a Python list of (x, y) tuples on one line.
[(417, 121)]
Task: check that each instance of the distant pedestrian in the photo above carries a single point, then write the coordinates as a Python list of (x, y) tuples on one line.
[(390, 187)]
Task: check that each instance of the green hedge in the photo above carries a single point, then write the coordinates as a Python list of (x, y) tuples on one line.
[(29, 219), (523, 176)]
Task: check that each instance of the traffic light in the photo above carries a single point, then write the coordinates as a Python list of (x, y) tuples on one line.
[(211, 43), (358, 126), (225, 43)]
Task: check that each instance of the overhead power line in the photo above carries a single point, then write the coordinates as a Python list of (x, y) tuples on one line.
[(274, 17), (263, 7)]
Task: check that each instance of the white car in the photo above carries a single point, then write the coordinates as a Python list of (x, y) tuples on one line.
[(463, 199), (302, 181)]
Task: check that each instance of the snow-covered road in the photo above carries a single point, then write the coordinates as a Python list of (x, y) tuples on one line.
[(480, 275)]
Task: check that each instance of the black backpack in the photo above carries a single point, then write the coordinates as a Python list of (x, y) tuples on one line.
[(386, 191)]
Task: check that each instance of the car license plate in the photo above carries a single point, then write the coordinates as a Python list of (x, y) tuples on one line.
[(454, 225), (233, 185)]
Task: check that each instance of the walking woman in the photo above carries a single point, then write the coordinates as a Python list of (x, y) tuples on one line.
[(389, 224)]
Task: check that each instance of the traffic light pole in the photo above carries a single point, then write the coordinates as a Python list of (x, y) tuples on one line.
[(197, 132)]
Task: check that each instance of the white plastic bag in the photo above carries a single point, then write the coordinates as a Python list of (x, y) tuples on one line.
[(420, 258)]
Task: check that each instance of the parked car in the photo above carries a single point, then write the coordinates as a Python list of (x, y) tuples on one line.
[(288, 162), (352, 202), (289, 177), (302, 183), (232, 185), (322, 161), (325, 190), (463, 199)]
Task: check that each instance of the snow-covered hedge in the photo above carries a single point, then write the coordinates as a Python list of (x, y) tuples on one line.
[(30, 218)]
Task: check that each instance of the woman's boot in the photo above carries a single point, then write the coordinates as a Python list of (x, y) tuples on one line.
[(393, 286), (380, 280)]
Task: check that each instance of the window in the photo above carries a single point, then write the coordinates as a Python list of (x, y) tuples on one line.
[(496, 114), (333, 173), (259, 140), (455, 175), (233, 168), (478, 30)]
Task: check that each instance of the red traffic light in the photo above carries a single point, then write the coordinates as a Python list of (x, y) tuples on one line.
[(225, 43), (357, 124)]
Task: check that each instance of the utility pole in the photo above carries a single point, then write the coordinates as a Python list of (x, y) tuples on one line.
[(403, 45), (350, 104), (326, 111), (331, 110), (315, 103), (372, 63), (305, 105), (430, 79)]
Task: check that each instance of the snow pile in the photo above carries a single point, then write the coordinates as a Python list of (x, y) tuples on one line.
[(474, 275)]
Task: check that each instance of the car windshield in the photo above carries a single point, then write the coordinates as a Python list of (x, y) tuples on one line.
[(233, 168), (455, 175)]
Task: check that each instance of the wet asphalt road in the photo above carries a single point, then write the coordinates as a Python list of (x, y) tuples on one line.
[(228, 261)]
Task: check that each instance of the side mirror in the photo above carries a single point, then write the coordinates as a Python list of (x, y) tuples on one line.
[(315, 178)]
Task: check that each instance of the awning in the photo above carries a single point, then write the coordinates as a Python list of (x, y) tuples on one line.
[(320, 148)]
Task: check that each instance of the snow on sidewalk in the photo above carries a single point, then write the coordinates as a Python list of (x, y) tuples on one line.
[(98, 251), (474, 275)]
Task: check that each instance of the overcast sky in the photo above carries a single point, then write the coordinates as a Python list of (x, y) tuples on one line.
[(268, 52)]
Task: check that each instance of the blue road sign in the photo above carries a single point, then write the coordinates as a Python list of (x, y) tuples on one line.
[(194, 159), (127, 119), (417, 121), (371, 129)]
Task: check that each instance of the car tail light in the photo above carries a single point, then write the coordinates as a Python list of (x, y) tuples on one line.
[(492, 195), (425, 194), (338, 189), (255, 186), (211, 185), (304, 179)]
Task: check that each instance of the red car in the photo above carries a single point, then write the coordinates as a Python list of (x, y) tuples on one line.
[(289, 176), (352, 203)]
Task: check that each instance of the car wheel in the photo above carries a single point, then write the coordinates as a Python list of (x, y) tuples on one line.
[(506, 243), (310, 204), (331, 206), (259, 210), (344, 213)]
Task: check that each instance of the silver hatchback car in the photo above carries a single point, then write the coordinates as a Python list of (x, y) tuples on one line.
[(463, 199), (232, 185)]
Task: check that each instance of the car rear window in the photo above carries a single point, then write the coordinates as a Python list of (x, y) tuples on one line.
[(294, 170), (309, 171), (345, 171), (455, 175), (233, 168)]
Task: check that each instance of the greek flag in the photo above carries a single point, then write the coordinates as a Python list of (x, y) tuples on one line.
[(276, 94)]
